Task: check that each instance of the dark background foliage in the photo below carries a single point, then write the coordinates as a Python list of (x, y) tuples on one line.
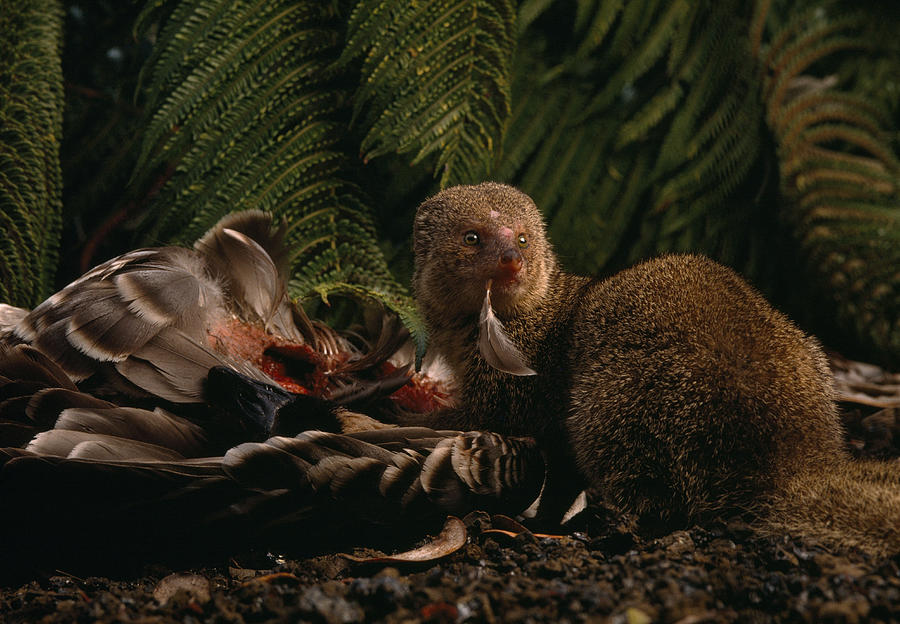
[(763, 134)]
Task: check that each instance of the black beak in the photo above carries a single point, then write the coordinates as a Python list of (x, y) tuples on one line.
[(266, 409)]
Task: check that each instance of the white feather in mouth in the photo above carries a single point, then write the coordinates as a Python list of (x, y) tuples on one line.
[(496, 347)]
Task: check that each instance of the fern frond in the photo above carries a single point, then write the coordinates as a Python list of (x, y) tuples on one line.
[(853, 211), (652, 114), (31, 103), (530, 10), (402, 307), (605, 14), (792, 124), (536, 110), (625, 186), (809, 158), (547, 175), (636, 65), (855, 136), (678, 62), (216, 60), (793, 27), (758, 24), (718, 173), (434, 80), (814, 30), (841, 177), (732, 107), (247, 112), (713, 160), (840, 169), (705, 69), (783, 83), (821, 38), (816, 197), (627, 35), (674, 124)]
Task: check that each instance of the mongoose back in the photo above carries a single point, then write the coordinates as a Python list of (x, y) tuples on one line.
[(672, 389)]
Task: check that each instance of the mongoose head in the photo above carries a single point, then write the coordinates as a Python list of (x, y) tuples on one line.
[(470, 238)]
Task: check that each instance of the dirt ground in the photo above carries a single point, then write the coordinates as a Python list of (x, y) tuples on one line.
[(600, 570), (716, 574)]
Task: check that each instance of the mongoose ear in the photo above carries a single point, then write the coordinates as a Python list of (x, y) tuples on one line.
[(495, 345)]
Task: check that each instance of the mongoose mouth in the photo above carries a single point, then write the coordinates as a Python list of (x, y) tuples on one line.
[(506, 289), (505, 281)]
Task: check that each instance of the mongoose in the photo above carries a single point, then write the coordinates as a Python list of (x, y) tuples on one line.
[(672, 389)]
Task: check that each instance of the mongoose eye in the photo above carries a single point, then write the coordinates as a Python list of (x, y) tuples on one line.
[(471, 238), (523, 242)]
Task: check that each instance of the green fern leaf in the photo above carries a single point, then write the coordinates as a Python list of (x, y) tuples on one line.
[(674, 125), (605, 14), (434, 80), (31, 103), (247, 111), (842, 172), (705, 72), (536, 111), (529, 10), (820, 107), (402, 307), (653, 49), (651, 115)]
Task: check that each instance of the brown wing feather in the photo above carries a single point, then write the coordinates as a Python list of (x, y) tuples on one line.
[(117, 449), (104, 328), (116, 308), (158, 427), (451, 471), (23, 362), (45, 406), (255, 224), (65, 443), (173, 366), (10, 316), (249, 256), (52, 341)]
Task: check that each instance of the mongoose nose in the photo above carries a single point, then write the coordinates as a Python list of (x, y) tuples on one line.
[(511, 260)]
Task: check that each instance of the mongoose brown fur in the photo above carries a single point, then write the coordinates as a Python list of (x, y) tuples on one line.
[(673, 389)]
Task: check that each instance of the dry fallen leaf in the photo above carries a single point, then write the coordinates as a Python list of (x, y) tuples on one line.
[(499, 521), (504, 525), (272, 578), (451, 538)]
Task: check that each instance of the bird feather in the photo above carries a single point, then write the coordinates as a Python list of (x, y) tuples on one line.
[(62, 443), (495, 345), (158, 427)]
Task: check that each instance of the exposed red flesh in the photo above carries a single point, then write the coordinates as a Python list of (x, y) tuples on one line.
[(421, 395), (274, 356), (243, 341)]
